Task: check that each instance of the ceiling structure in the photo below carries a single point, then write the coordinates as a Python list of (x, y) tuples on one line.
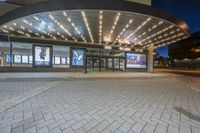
[(22, 2), (98, 27), (9, 5)]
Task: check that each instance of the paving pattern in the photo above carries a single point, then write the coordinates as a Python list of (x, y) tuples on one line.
[(10, 89), (121, 106)]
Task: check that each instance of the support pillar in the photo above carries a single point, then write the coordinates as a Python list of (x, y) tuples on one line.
[(150, 59), (2, 58), (11, 54), (100, 64)]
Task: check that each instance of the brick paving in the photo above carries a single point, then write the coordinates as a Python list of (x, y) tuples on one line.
[(10, 89), (158, 105)]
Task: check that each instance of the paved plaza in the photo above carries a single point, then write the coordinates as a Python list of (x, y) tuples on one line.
[(134, 103)]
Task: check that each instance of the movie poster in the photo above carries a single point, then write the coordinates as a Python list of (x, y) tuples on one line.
[(8, 58), (42, 56), (25, 59), (63, 61), (57, 60), (78, 57), (135, 60), (17, 59)]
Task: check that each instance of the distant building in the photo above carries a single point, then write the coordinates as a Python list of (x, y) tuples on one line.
[(185, 54)]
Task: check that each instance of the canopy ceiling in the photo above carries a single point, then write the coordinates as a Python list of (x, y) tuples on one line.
[(98, 27)]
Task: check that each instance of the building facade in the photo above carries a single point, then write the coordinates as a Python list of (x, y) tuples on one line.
[(185, 54), (85, 36)]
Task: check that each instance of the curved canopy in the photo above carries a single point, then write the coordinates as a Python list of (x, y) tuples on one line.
[(97, 25)]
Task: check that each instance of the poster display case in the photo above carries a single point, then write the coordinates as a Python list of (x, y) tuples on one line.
[(42, 56), (136, 60), (78, 57), (25, 59), (17, 59)]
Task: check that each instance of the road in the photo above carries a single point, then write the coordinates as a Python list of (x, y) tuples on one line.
[(189, 77)]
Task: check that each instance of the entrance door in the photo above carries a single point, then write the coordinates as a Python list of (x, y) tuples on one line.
[(96, 62), (102, 64), (93, 64), (89, 64)]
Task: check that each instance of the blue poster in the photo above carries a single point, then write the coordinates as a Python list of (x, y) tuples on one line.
[(78, 57), (8, 58), (42, 56)]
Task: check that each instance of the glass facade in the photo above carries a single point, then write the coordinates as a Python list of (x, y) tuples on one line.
[(22, 55), (31, 55), (5, 56), (61, 56)]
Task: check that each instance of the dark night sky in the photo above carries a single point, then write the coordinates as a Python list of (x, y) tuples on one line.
[(186, 10)]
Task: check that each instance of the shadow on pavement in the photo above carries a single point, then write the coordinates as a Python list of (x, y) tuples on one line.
[(187, 113), (188, 74)]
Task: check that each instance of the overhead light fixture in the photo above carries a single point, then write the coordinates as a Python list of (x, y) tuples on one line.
[(114, 25), (122, 32), (138, 28), (59, 25), (87, 25), (73, 25), (100, 25)]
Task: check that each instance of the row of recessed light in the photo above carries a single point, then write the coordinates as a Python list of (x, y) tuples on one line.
[(73, 25), (168, 38), (162, 36), (122, 32), (23, 33), (61, 26), (30, 24), (158, 33), (87, 25), (40, 30), (100, 26), (170, 42), (137, 29), (108, 39), (18, 31), (150, 29), (4, 29), (54, 31)]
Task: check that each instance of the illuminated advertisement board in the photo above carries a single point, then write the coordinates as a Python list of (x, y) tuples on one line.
[(63, 60), (57, 60), (24, 59), (30, 60), (8, 58), (17, 59), (136, 60), (42, 56), (68, 60), (77, 57)]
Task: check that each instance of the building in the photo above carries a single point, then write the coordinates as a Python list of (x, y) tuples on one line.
[(185, 54), (85, 36)]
